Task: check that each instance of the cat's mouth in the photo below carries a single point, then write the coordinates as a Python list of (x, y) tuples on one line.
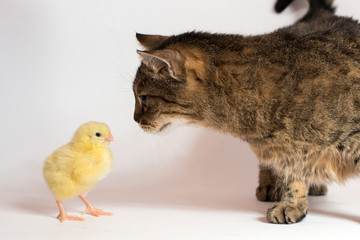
[(166, 125), (153, 129)]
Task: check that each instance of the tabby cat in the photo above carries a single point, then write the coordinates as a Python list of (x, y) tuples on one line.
[(293, 95)]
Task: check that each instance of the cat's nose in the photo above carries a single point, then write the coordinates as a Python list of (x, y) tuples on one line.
[(137, 117)]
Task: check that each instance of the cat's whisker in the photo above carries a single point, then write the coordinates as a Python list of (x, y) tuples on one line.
[(124, 79), (171, 162), (125, 72), (121, 86), (155, 153), (121, 75), (122, 72), (124, 90), (137, 133)]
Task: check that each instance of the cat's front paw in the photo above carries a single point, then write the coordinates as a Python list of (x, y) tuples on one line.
[(284, 213), (268, 193)]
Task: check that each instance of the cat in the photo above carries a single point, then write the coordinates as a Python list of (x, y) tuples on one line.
[(293, 95)]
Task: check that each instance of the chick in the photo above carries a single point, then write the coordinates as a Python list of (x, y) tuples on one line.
[(75, 168)]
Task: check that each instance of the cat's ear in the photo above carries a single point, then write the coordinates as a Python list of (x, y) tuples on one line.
[(150, 42), (169, 58)]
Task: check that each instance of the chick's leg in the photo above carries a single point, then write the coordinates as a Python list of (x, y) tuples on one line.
[(91, 209), (63, 216)]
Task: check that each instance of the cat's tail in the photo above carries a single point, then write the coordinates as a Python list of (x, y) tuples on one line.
[(318, 8)]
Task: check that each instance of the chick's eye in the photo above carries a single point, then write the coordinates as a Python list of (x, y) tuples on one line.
[(143, 99), (98, 134)]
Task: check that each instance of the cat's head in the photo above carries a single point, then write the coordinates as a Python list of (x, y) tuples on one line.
[(168, 86)]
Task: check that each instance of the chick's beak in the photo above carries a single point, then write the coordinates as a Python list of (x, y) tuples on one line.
[(109, 138)]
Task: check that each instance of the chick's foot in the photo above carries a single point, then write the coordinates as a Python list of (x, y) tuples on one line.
[(62, 218), (63, 215), (96, 212), (92, 210)]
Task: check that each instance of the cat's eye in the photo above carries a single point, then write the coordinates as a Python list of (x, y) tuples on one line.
[(143, 99), (98, 134)]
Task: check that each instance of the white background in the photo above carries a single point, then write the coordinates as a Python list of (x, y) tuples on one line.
[(66, 62)]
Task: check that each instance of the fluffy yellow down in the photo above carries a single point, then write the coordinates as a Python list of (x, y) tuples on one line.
[(76, 167)]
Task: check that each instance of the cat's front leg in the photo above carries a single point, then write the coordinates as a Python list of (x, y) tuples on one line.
[(293, 207)]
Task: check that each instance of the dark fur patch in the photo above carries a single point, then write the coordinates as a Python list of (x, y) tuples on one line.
[(340, 147), (354, 133)]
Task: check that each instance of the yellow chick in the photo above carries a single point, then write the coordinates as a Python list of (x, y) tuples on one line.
[(75, 168)]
